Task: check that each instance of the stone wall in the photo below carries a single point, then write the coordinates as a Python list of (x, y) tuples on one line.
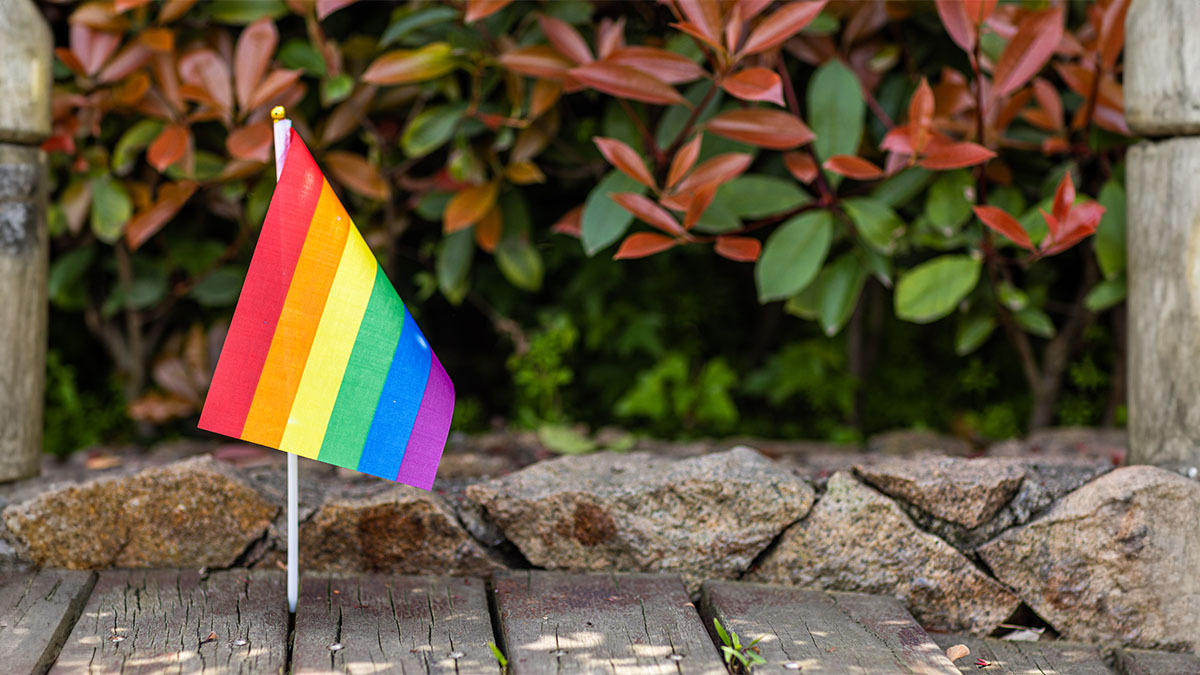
[(1046, 526)]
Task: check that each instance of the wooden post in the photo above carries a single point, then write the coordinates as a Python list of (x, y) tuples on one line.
[(26, 50), (1162, 100)]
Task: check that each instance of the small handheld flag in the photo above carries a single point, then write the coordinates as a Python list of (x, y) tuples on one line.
[(322, 358)]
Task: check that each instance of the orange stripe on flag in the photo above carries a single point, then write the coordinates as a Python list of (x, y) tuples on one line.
[(298, 321)]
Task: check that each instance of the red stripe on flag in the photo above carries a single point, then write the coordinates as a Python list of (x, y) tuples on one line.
[(270, 274)]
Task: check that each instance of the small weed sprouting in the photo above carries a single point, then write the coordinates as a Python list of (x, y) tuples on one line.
[(500, 658), (738, 658)]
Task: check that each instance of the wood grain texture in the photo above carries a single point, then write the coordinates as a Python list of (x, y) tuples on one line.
[(1162, 67), (24, 247), (1012, 657), (25, 91), (824, 632), (612, 623), (1163, 251), (160, 621), (1142, 662), (390, 624), (37, 611)]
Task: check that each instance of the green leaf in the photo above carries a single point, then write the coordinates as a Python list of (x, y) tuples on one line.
[(135, 139), (1110, 234), (430, 129), (1107, 293), (721, 632), (948, 204), (1006, 197), (973, 331), (793, 255), (759, 196), (840, 284), (336, 89), (616, 123), (676, 116), (242, 12), (574, 12), (1035, 322), (431, 206), (454, 255), (520, 262), (1011, 297), (499, 655), (300, 54), (835, 111), (718, 218), (876, 222), (902, 188), (221, 288), (111, 208), (934, 288), (563, 440), (603, 220), (414, 21), (64, 284)]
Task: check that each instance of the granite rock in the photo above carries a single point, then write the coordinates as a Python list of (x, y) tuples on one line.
[(856, 539), (195, 513), (1118, 559), (709, 515), (967, 492)]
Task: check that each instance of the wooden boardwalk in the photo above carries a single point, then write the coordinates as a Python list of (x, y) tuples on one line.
[(234, 621)]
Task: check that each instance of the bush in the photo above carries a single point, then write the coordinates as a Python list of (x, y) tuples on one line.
[(868, 167)]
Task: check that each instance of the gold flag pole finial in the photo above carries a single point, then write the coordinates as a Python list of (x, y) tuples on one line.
[(278, 113)]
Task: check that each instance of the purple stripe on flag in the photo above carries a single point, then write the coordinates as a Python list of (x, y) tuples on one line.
[(429, 432)]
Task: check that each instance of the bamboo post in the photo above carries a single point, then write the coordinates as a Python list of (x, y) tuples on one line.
[(26, 50)]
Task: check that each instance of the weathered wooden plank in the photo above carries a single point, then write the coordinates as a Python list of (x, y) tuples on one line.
[(37, 610), (575, 623), (154, 621), (392, 624), (1162, 68), (821, 632), (1142, 662), (1011, 656)]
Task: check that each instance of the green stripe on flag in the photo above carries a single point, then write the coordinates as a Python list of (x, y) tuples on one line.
[(358, 394)]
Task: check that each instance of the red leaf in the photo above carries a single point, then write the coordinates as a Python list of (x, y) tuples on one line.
[(626, 159), (168, 147), (920, 117), (979, 11), (853, 167), (898, 140), (610, 36), (755, 84), (347, 116), (642, 244), (667, 66), (1000, 221), (1028, 51), (961, 29), (407, 66), (327, 7), (741, 249), (255, 47), (171, 198), (785, 22), (536, 61), (705, 15), (1064, 197), (205, 70), (479, 9), (716, 170), (251, 142), (646, 210), (69, 60), (684, 159), (468, 205), (626, 82), (1081, 222), (133, 56), (773, 129), (695, 31), (571, 224), (92, 47), (273, 86), (698, 205), (488, 230), (1112, 32), (565, 39), (802, 166), (941, 157), (356, 173)]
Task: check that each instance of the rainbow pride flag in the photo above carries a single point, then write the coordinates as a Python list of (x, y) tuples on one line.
[(322, 358)]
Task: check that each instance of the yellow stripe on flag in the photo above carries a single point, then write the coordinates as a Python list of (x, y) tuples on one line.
[(331, 349)]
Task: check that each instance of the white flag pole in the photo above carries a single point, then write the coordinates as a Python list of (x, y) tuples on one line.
[(283, 127)]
